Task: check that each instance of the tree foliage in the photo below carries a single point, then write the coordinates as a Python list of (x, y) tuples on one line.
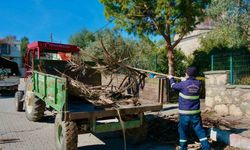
[(180, 61), (24, 44), (120, 47), (157, 17), (230, 33), (229, 12), (23, 47), (140, 53), (232, 21), (224, 36), (82, 38)]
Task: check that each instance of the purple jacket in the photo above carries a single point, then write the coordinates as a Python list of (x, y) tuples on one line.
[(189, 95)]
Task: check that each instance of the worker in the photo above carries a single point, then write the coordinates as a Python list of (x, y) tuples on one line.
[(189, 108)]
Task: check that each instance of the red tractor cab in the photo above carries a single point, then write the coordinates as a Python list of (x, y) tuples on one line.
[(48, 56)]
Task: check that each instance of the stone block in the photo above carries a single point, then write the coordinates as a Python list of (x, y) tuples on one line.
[(218, 99), (245, 107), (209, 92), (235, 111), (210, 80), (228, 99), (236, 99), (228, 86), (212, 91), (223, 93), (247, 87), (235, 93), (246, 96), (221, 79), (209, 101), (221, 109)]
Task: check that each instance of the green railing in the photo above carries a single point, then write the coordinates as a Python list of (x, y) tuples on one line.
[(237, 63)]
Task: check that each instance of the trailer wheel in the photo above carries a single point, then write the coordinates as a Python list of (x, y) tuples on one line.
[(34, 107), (19, 100), (66, 134), (138, 135)]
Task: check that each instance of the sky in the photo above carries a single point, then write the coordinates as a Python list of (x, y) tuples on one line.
[(37, 19)]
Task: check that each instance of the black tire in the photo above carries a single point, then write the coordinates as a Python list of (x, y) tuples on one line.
[(66, 134), (19, 100), (34, 109), (138, 135)]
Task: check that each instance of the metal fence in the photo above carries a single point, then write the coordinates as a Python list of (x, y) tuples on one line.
[(237, 63)]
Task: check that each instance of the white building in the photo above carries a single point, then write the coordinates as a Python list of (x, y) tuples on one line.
[(191, 42)]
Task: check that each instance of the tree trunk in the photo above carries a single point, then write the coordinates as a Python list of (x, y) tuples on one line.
[(170, 56)]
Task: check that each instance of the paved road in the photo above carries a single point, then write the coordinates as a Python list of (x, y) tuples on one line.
[(40, 136)]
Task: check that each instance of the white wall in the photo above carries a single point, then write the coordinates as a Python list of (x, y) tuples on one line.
[(191, 41)]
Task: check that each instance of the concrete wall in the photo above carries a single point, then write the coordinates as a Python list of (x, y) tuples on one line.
[(226, 99)]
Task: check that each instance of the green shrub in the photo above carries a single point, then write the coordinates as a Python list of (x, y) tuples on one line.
[(244, 80)]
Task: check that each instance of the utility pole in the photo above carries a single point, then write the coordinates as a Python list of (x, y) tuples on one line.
[(51, 37)]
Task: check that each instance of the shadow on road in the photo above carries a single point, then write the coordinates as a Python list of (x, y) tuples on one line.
[(48, 119), (9, 140), (6, 96), (170, 108), (91, 147), (237, 130)]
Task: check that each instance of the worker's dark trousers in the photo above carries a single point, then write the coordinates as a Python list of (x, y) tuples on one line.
[(193, 121)]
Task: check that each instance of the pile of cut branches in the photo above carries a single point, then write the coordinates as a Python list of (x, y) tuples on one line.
[(79, 73)]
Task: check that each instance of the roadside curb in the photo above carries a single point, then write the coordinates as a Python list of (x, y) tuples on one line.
[(229, 138)]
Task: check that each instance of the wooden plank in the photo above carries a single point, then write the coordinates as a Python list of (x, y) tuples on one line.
[(153, 72)]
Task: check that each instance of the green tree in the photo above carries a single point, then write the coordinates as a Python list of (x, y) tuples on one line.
[(118, 46), (82, 38), (180, 61), (230, 33), (24, 44), (231, 19), (157, 17), (145, 55), (133, 51)]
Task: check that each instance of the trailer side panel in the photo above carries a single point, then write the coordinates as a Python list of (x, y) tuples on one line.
[(51, 89)]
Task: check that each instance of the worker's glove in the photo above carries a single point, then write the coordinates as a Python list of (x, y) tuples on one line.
[(183, 79), (170, 77)]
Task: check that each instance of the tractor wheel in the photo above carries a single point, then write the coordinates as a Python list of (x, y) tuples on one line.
[(19, 100), (66, 134), (34, 107), (138, 135)]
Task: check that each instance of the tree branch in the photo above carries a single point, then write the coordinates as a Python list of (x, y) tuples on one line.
[(162, 33), (157, 27), (168, 34), (178, 40)]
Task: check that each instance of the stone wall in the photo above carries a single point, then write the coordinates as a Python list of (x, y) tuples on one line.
[(226, 99)]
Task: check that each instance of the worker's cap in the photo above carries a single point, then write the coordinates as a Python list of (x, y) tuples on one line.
[(191, 71)]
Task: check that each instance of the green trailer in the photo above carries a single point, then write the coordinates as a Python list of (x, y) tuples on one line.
[(73, 116)]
